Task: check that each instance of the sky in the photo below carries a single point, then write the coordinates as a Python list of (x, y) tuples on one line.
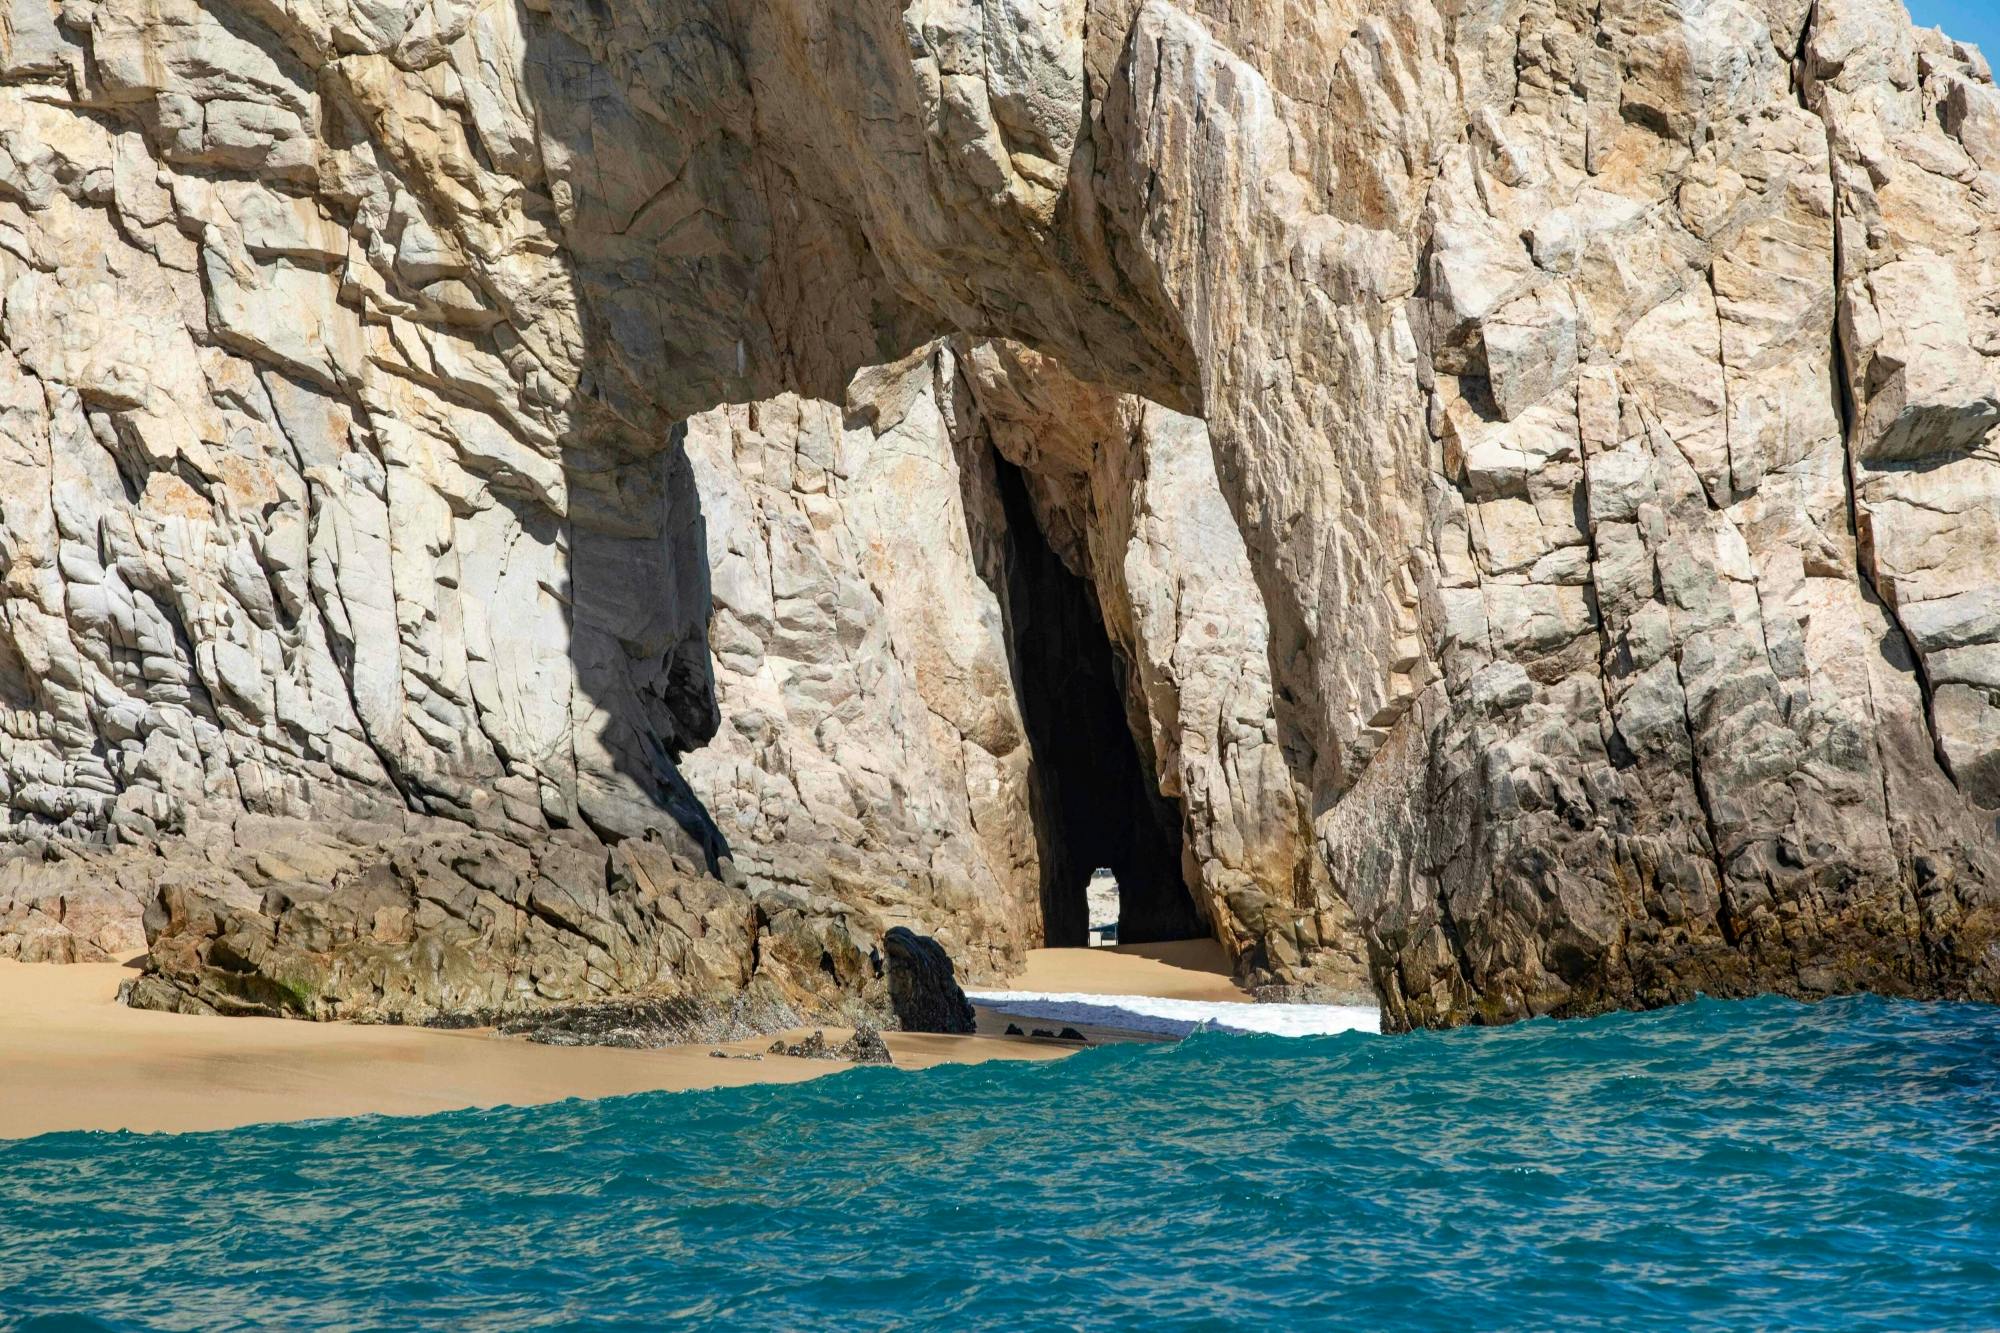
[(1975, 21)]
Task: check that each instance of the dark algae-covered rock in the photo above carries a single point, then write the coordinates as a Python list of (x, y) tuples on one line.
[(865, 1047), (923, 987)]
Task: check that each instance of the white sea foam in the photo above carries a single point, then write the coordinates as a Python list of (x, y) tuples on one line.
[(1177, 1018)]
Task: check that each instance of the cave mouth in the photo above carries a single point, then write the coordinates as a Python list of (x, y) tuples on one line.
[(1097, 804)]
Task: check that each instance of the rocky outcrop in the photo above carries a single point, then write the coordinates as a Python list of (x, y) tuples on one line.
[(1913, 132), (923, 987), (73, 905), (1680, 742), (1126, 490), (1522, 472), (871, 747), (868, 639), (440, 924), (865, 1047)]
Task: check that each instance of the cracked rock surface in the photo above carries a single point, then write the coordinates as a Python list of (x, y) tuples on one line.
[(1533, 463)]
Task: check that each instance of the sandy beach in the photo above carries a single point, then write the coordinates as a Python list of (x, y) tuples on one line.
[(1181, 970), (72, 1058)]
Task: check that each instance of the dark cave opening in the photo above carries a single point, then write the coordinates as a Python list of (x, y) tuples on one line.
[(1097, 803)]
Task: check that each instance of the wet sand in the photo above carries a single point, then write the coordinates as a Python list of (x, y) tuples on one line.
[(1183, 970), (72, 1058)]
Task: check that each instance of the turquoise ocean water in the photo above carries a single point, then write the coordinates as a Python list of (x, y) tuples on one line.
[(1752, 1165)]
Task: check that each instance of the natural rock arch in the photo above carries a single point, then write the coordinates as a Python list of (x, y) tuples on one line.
[(1617, 498)]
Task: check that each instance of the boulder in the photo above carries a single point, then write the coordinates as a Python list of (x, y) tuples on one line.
[(924, 993)]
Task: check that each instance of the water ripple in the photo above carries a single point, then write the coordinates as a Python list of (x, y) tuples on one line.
[(1714, 1166)]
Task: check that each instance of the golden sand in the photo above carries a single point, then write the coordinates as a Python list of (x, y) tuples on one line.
[(1183, 970), (73, 1058)]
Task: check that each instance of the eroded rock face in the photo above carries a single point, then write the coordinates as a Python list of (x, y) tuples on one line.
[(868, 670), (1574, 586), (435, 923), (1685, 748), (1126, 492), (872, 747)]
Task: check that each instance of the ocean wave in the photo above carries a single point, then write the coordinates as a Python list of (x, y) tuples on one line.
[(1180, 1018)]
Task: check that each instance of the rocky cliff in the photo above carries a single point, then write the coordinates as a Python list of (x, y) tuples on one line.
[(505, 502)]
